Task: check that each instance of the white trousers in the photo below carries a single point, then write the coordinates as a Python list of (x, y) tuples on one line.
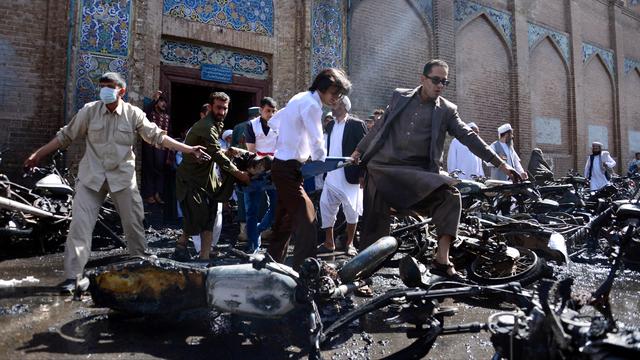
[(330, 201)]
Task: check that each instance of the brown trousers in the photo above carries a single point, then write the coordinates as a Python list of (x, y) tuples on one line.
[(443, 205), (294, 214)]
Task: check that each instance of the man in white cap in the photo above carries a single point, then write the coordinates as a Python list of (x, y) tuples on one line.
[(225, 140), (461, 158), (598, 167), (342, 186), (504, 148)]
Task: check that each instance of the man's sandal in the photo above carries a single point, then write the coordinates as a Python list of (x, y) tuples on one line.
[(443, 270)]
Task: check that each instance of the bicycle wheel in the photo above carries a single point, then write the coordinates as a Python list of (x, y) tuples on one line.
[(500, 269), (369, 260)]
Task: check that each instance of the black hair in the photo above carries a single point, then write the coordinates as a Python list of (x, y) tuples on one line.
[(219, 95), (432, 63), (268, 101), (331, 77), (204, 108)]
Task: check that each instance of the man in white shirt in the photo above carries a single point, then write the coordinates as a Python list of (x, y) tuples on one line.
[(260, 139), (300, 137), (504, 148), (461, 158), (342, 186), (598, 167)]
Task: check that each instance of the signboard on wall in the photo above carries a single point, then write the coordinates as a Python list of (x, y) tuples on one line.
[(548, 130), (634, 141), (600, 134), (216, 73)]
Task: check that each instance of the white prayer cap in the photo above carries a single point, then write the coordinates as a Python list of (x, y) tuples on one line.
[(328, 114), (473, 125), (504, 128), (347, 103), (596, 143), (227, 133)]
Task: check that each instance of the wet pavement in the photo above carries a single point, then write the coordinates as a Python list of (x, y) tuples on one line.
[(38, 323)]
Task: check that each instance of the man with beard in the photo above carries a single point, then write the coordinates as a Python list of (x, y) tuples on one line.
[(598, 167), (504, 148), (198, 186), (110, 127), (403, 157)]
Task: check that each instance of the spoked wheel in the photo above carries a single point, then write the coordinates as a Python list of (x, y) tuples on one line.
[(411, 230), (526, 267)]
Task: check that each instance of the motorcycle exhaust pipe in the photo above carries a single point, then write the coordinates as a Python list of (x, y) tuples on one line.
[(14, 205)]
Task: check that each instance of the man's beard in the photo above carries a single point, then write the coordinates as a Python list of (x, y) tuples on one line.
[(596, 153), (509, 141), (218, 118)]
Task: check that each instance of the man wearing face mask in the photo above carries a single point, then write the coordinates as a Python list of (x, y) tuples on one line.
[(504, 148), (598, 167), (109, 127)]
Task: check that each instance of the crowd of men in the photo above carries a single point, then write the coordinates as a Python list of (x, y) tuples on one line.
[(396, 155)]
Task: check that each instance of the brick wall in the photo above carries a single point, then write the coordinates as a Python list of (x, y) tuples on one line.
[(483, 77), (549, 102), (389, 42), (32, 73), (598, 107)]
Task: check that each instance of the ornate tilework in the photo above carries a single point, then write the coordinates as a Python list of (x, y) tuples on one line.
[(192, 55), (427, 9), (88, 71), (254, 16), (327, 35), (465, 9), (588, 50), (630, 64), (537, 32), (104, 26)]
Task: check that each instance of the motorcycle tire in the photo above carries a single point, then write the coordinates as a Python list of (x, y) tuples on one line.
[(369, 260), (528, 269)]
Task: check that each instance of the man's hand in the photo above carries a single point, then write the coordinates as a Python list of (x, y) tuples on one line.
[(511, 172), (361, 182), (198, 151), (243, 177), (356, 157), (156, 96), (524, 175), (32, 161)]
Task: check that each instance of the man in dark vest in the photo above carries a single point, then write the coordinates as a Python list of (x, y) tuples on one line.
[(403, 158), (342, 186)]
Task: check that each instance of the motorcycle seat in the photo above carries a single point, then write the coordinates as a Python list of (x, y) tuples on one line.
[(492, 182), (555, 188), (628, 211)]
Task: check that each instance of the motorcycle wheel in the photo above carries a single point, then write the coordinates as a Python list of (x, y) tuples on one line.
[(526, 269), (369, 260)]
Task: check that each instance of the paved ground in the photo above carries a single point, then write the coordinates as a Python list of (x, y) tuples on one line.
[(37, 323)]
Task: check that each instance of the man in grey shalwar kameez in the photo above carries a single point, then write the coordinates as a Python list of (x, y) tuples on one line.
[(403, 157)]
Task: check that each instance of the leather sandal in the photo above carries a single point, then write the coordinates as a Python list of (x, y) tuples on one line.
[(443, 270)]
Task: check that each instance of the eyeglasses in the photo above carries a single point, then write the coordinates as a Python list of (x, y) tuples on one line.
[(436, 80)]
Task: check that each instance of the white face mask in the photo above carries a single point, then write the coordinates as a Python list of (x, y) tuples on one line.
[(108, 95)]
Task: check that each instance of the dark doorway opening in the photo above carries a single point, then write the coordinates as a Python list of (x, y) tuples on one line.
[(186, 100)]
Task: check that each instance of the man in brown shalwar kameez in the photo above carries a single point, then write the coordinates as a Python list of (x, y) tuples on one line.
[(403, 157)]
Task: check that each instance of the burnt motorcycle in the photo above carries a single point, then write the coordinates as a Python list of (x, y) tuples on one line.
[(43, 212), (258, 288)]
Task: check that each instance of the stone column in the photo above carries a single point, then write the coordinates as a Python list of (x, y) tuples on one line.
[(620, 127), (444, 40), (576, 112), (520, 79)]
